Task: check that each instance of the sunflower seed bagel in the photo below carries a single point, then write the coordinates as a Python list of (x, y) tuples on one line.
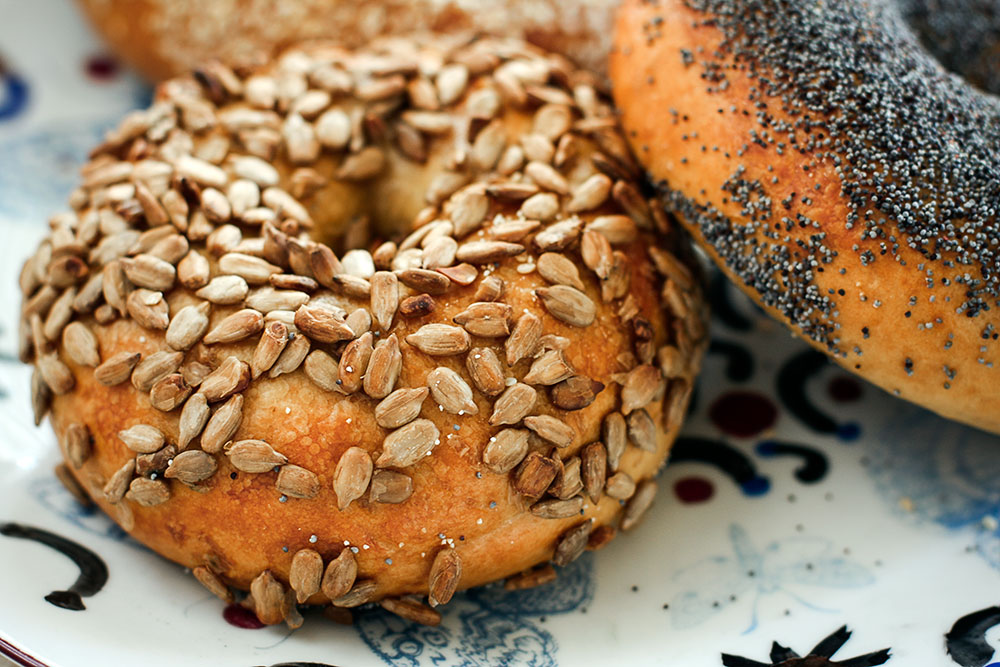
[(357, 325), (164, 38)]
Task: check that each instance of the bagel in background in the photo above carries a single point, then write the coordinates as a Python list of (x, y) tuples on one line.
[(483, 373), (837, 173), (163, 38)]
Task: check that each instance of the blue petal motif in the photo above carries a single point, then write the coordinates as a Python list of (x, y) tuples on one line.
[(50, 493), (483, 627), (947, 473)]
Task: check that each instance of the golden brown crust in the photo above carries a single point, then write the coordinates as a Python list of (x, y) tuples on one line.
[(165, 38), (881, 334), (235, 472)]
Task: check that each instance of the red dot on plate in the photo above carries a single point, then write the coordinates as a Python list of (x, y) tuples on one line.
[(241, 617), (844, 389), (693, 490), (101, 67), (743, 413)]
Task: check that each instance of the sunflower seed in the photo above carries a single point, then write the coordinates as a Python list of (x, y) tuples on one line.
[(512, 190), (90, 295), (446, 571), (485, 252), (424, 280), (556, 431), (194, 416), (390, 487), (114, 283), (222, 426), (243, 196), (351, 477), (411, 610), (270, 601), (400, 407), (354, 363), (149, 309), (56, 374), (59, 314), (200, 171), (285, 205), (462, 274), (41, 396), (210, 581), (169, 392), (523, 340), (620, 486), (543, 206), (417, 306), (505, 450), (575, 393), (431, 122), (384, 298), (553, 120), (547, 177), (559, 270), (590, 194), (266, 299), (631, 201), (384, 366), (284, 281), (148, 492), (514, 404), (568, 304), (297, 482), (235, 327), (451, 81), (291, 357), (559, 236), (614, 438), (268, 349), (305, 574), (512, 230), (534, 475), (361, 593), (322, 323), (193, 270), (567, 482), (66, 271), (301, 143), (408, 444), (333, 129), (594, 460), (142, 438), (231, 377), (117, 486), (486, 319), (78, 444), (440, 339), (537, 148), (451, 392), (254, 270), (617, 229), (638, 504), (572, 543), (155, 367), (616, 286), (528, 579), (367, 163), (340, 575), (488, 146), (466, 210), (254, 456), (191, 467), (548, 369), (485, 370), (80, 344), (321, 368), (558, 509), (117, 369), (642, 385), (490, 289), (187, 326)]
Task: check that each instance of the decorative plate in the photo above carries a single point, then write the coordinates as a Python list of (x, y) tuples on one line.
[(799, 500)]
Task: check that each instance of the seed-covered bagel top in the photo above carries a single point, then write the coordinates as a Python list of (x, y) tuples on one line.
[(526, 320)]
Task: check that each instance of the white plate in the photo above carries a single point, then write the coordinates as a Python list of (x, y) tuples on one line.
[(882, 517)]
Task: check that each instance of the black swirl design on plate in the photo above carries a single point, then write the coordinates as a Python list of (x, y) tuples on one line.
[(820, 656), (814, 463), (725, 457), (739, 360), (791, 385), (93, 571), (966, 641)]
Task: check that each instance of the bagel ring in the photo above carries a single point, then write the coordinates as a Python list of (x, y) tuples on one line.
[(837, 173), (494, 389)]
